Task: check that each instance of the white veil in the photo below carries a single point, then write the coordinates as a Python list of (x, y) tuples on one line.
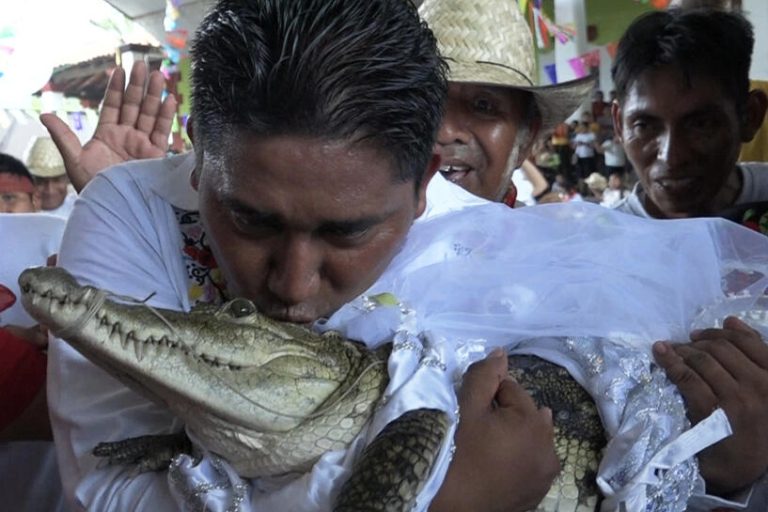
[(586, 287)]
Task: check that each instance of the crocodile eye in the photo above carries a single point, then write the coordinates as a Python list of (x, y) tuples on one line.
[(241, 307)]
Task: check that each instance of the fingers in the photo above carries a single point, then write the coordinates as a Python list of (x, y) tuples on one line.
[(113, 98), (65, 139), (134, 93), (511, 394), (711, 366), (699, 396), (739, 348), (481, 382), (150, 105), (741, 336), (162, 128)]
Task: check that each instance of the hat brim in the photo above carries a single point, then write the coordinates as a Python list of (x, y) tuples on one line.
[(556, 102), (48, 173)]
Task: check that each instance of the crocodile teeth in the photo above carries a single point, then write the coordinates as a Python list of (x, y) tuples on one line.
[(124, 341), (138, 347)]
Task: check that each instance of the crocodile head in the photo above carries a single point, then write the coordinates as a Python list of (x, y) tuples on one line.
[(229, 361)]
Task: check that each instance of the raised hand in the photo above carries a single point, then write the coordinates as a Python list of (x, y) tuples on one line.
[(132, 125), (725, 368), (505, 455)]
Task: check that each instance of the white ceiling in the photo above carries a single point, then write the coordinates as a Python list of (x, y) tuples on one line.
[(151, 13)]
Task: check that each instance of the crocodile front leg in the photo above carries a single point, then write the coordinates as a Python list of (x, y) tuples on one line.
[(579, 435), (395, 466), (148, 453)]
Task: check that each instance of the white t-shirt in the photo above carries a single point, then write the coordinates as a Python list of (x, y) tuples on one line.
[(613, 152), (754, 188), (584, 144), (30, 478), (524, 188), (612, 196), (478, 277), (28, 239)]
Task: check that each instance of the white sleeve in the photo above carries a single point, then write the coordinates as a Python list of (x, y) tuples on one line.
[(110, 243)]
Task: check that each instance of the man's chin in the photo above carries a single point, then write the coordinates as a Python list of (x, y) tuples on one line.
[(471, 185), (677, 204), (675, 209)]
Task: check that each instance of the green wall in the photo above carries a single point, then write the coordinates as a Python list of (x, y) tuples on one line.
[(611, 17)]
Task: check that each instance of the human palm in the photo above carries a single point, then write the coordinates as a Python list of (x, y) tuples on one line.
[(132, 125)]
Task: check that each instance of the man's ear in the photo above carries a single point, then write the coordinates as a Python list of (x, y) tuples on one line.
[(191, 130), (421, 192), (194, 178), (757, 103), (618, 121)]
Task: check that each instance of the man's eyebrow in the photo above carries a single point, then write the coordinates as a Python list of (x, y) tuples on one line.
[(639, 112), (712, 108), (494, 91), (253, 214), (644, 111), (351, 225), (330, 225)]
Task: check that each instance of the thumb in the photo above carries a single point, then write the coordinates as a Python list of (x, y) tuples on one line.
[(65, 139)]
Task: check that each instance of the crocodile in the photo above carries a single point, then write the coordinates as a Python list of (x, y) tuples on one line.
[(272, 397)]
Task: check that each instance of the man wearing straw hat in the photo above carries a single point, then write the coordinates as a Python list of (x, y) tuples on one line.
[(494, 112), (45, 164)]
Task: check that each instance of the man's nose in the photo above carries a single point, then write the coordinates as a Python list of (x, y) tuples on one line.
[(673, 148), (294, 274), (454, 128)]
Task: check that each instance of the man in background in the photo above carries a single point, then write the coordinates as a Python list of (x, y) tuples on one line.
[(495, 111), (684, 108), (17, 190), (50, 177)]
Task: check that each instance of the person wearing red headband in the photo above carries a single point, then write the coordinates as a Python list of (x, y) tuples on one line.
[(17, 190)]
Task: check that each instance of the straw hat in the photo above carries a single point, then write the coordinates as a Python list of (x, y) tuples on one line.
[(596, 181), (488, 42), (44, 160)]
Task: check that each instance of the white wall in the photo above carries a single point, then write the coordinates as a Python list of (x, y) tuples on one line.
[(757, 12)]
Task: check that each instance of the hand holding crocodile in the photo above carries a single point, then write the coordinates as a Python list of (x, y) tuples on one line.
[(505, 456), (725, 368)]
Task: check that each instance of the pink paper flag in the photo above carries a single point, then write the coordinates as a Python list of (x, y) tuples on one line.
[(577, 65)]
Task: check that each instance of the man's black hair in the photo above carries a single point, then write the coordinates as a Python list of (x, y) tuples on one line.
[(357, 70), (699, 42), (14, 166)]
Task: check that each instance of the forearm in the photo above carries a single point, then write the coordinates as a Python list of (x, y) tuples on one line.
[(537, 179)]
